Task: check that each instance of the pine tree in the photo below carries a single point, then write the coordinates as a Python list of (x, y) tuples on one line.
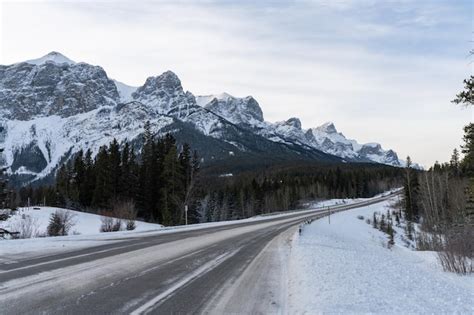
[(411, 187), (86, 192), (382, 223), (114, 169), (454, 162), (63, 179), (468, 150), (172, 185), (125, 181), (390, 232), (103, 185), (466, 97), (397, 218), (78, 177), (148, 175), (3, 187), (374, 221)]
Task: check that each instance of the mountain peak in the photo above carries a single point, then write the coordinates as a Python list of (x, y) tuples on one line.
[(54, 57), (167, 81), (236, 110), (294, 122), (223, 96), (327, 127)]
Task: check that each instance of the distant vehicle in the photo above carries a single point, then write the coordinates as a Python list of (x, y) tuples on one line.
[(36, 208)]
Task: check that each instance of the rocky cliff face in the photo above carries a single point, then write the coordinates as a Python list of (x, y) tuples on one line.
[(45, 87), (240, 111), (52, 107)]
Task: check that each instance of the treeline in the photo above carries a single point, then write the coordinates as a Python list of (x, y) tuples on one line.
[(163, 179), (3, 187), (441, 200), (158, 183), (284, 188)]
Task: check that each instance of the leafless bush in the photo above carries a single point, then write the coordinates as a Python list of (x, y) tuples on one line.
[(112, 221), (457, 254), (27, 227), (203, 208), (126, 210), (110, 224), (429, 241), (60, 223)]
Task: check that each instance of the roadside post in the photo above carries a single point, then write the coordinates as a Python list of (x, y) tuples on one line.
[(329, 216), (186, 214)]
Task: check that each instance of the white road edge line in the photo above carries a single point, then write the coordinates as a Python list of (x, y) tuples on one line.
[(145, 308)]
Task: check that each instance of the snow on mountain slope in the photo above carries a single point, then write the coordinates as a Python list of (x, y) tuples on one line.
[(246, 112), (39, 145), (203, 100), (52, 107), (54, 57), (166, 95), (29, 90), (125, 91), (239, 111)]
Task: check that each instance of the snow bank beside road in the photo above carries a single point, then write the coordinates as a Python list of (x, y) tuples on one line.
[(88, 225), (343, 267), (84, 223)]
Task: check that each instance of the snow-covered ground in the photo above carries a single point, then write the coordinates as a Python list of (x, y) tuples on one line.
[(88, 234), (84, 233), (346, 267), (84, 223)]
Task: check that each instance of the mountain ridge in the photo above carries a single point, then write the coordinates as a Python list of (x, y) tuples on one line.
[(52, 107)]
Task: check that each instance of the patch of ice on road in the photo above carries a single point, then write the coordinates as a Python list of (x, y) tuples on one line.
[(343, 267)]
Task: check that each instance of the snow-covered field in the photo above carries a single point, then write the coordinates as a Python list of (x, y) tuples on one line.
[(84, 233), (345, 267), (84, 223)]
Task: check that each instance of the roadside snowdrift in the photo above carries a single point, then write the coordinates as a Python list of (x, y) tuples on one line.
[(345, 267)]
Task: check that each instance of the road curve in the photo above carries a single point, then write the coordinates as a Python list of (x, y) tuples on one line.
[(216, 269)]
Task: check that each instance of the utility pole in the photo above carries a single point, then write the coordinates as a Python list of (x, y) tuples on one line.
[(186, 214), (329, 216)]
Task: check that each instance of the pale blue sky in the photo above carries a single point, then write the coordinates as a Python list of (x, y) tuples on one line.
[(382, 71)]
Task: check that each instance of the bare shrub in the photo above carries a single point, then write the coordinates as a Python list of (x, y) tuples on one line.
[(457, 254), (60, 223), (130, 225), (27, 227), (110, 224), (126, 210), (123, 213)]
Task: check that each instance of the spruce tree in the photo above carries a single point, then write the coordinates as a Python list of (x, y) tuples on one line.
[(3, 187), (86, 192), (114, 168), (466, 97), (103, 185), (172, 185), (78, 177), (411, 186)]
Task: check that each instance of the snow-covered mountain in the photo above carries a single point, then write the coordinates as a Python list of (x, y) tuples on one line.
[(52, 107), (247, 112)]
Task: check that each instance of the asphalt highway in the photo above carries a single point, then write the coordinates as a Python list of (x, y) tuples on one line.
[(210, 270)]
